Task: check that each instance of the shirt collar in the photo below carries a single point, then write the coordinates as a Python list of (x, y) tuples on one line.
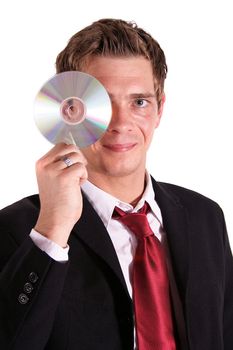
[(104, 203)]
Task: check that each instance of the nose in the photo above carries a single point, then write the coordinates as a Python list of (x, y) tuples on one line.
[(120, 121)]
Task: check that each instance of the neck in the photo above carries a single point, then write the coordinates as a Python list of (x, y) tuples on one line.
[(128, 188)]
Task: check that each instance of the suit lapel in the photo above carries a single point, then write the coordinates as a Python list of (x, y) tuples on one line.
[(176, 228), (91, 230)]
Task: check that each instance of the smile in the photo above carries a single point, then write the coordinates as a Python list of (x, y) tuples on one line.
[(117, 147)]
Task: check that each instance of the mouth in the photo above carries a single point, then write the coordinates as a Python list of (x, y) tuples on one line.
[(119, 147)]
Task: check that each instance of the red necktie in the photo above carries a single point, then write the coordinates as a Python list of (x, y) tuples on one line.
[(153, 317)]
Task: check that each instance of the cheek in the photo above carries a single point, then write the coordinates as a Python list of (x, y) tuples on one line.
[(147, 127)]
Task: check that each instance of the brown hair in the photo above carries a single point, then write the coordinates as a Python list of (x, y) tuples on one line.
[(113, 37)]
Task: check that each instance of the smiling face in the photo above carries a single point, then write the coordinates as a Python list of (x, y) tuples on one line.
[(122, 149)]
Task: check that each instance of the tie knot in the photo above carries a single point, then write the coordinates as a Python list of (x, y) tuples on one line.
[(136, 222)]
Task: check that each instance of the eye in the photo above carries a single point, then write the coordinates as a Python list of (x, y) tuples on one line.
[(140, 102)]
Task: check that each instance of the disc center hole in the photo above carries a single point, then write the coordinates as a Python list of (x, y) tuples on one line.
[(73, 110)]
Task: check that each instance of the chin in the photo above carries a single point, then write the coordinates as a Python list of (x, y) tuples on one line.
[(121, 171)]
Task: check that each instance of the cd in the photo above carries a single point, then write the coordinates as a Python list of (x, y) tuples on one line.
[(72, 107)]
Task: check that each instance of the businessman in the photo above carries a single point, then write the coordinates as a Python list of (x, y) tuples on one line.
[(106, 258)]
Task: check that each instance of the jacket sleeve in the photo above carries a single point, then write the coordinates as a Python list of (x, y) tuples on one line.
[(31, 284), (228, 297)]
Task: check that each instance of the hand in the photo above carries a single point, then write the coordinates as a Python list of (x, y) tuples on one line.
[(60, 193)]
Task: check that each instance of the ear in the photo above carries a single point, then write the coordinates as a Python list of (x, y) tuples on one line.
[(160, 111)]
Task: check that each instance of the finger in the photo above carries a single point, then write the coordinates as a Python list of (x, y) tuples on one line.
[(77, 171), (57, 152), (69, 160)]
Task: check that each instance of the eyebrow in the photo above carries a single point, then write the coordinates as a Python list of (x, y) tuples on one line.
[(138, 95), (142, 95)]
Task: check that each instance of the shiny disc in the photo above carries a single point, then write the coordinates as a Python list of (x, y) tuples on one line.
[(72, 107)]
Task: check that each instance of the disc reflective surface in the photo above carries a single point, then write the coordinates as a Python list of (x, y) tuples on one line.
[(72, 107)]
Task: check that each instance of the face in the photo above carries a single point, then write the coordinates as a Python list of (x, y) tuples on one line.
[(122, 149)]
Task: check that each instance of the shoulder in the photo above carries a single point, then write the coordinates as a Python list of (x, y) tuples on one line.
[(21, 215), (187, 198), (202, 213)]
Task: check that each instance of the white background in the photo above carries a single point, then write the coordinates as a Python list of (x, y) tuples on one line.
[(193, 145)]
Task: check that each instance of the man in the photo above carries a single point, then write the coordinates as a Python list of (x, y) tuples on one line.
[(75, 274)]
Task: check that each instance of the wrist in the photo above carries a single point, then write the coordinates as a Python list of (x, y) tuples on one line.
[(55, 233), (55, 251)]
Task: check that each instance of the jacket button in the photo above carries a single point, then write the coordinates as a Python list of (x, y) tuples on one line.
[(33, 277), (28, 287), (23, 298)]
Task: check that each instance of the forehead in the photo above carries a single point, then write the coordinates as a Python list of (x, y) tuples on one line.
[(123, 72)]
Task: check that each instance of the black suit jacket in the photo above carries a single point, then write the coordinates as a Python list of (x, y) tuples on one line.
[(84, 304)]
